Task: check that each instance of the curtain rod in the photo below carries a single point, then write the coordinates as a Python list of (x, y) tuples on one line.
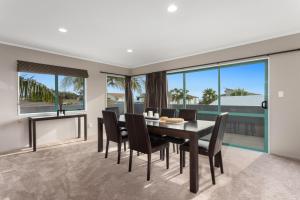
[(103, 72), (216, 63), (232, 60)]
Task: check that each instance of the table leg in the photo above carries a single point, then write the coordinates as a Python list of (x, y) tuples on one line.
[(194, 174), (79, 127), (100, 135), (34, 134), (85, 127), (30, 132)]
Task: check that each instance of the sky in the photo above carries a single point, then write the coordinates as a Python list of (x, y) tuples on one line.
[(250, 77)]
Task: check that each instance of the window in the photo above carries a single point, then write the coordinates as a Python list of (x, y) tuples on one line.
[(115, 96), (139, 92), (239, 89), (175, 91), (71, 90), (39, 93)]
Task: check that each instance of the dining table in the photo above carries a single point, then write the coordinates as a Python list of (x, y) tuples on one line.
[(190, 130)]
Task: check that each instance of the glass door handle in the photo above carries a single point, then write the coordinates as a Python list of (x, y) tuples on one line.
[(264, 104)]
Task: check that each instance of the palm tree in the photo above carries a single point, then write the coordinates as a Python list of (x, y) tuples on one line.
[(76, 82), (239, 92), (178, 94), (209, 95), (137, 83), (31, 90)]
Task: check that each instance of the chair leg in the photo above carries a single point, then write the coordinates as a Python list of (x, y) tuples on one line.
[(180, 160), (149, 167), (162, 154), (212, 169), (183, 158), (124, 145), (130, 160), (221, 162), (167, 156), (177, 148), (119, 151), (173, 148), (138, 153), (107, 144)]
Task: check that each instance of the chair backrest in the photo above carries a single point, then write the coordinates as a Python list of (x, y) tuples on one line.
[(154, 110), (168, 112), (188, 114), (216, 140), (138, 135), (115, 109), (111, 125)]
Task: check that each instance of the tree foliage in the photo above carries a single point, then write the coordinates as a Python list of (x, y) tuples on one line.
[(209, 96), (31, 90)]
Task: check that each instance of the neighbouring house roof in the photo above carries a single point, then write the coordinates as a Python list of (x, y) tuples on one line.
[(250, 100)]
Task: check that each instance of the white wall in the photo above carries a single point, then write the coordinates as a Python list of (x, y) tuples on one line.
[(14, 128)]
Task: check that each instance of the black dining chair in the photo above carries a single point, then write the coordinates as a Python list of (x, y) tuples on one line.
[(168, 112), (114, 133), (212, 149), (114, 109), (139, 140), (187, 115)]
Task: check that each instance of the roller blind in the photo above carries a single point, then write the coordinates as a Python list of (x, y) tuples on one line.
[(24, 66)]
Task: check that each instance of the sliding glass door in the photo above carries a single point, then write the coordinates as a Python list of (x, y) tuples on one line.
[(244, 94), (240, 89)]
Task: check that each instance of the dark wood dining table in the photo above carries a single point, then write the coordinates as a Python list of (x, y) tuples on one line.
[(192, 130)]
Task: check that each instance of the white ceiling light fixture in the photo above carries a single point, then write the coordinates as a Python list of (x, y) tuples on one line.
[(63, 30), (129, 50), (172, 8)]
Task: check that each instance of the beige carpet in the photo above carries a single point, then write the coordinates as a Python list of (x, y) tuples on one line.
[(77, 171)]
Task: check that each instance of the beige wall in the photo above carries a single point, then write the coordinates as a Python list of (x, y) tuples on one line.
[(14, 128), (284, 75), (284, 112)]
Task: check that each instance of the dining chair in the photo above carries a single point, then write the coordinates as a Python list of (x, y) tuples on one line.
[(187, 115), (114, 109), (139, 140), (117, 111), (212, 149), (113, 132), (168, 112), (154, 110)]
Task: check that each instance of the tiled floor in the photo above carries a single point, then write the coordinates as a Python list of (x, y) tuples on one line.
[(77, 171)]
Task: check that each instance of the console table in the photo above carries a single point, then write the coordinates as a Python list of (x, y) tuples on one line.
[(32, 125)]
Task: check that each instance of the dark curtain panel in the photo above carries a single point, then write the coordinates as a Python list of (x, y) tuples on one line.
[(128, 95), (156, 90)]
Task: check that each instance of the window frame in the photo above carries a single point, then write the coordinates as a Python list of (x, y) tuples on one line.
[(55, 101)]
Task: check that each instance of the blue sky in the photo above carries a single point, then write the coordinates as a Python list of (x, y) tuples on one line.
[(250, 77), (46, 79)]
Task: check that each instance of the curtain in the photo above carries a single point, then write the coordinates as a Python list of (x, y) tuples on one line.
[(128, 95), (156, 90)]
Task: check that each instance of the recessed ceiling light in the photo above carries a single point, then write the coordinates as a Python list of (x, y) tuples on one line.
[(172, 8), (129, 50), (62, 30)]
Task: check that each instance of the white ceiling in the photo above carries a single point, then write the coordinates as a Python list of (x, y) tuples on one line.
[(102, 30)]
